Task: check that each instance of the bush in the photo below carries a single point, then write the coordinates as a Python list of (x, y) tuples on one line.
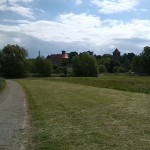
[(102, 69), (121, 70), (115, 69)]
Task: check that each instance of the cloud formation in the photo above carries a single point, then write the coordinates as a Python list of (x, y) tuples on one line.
[(82, 28), (16, 6), (115, 6), (75, 24)]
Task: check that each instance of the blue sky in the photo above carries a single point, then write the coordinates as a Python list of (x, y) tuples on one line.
[(75, 25)]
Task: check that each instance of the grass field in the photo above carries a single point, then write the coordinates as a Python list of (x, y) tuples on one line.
[(124, 83), (67, 116), (2, 84)]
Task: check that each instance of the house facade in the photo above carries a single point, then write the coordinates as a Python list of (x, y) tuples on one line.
[(58, 58)]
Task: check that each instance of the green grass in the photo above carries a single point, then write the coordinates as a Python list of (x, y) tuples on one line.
[(124, 83), (66, 116), (2, 84)]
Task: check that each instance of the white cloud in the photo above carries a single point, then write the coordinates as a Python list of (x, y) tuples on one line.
[(16, 7), (78, 2), (115, 6), (14, 1), (79, 21), (82, 28)]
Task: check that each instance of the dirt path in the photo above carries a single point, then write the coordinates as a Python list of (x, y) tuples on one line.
[(13, 117)]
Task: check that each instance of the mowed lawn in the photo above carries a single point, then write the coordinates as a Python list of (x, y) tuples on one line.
[(67, 116)]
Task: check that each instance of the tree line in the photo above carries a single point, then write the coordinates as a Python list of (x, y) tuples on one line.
[(14, 63)]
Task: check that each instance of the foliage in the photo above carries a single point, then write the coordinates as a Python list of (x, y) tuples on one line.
[(13, 61), (126, 64), (141, 63), (102, 69), (84, 65), (56, 69), (64, 62), (115, 69), (43, 66), (71, 117), (106, 62), (137, 64), (121, 70), (71, 55), (31, 66), (65, 71)]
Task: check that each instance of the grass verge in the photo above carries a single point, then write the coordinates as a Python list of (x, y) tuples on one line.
[(2, 84), (123, 83), (67, 116)]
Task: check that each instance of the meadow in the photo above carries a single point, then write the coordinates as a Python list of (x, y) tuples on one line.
[(136, 84), (2, 84), (69, 116)]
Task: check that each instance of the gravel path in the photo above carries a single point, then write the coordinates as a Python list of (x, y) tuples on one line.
[(13, 117)]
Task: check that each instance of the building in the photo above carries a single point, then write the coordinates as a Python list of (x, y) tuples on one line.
[(58, 58), (116, 54)]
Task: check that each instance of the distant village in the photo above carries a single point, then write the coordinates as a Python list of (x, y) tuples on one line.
[(107, 63), (72, 64), (59, 58)]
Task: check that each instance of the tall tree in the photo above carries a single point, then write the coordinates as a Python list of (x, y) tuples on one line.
[(13, 61), (141, 63)]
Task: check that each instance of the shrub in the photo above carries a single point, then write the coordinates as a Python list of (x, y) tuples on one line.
[(102, 69)]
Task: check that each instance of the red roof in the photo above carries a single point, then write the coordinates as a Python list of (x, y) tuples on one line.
[(58, 56)]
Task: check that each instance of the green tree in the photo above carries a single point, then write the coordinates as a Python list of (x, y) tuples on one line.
[(126, 64), (145, 58), (71, 55), (43, 67), (1, 58), (137, 64), (141, 63), (84, 65), (13, 61)]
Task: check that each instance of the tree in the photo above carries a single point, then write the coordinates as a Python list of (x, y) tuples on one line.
[(145, 58), (137, 64), (13, 61), (126, 64), (141, 63), (1, 58), (43, 66), (71, 55), (84, 65)]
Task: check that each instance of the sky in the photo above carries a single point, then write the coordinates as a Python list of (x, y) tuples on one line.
[(50, 26)]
